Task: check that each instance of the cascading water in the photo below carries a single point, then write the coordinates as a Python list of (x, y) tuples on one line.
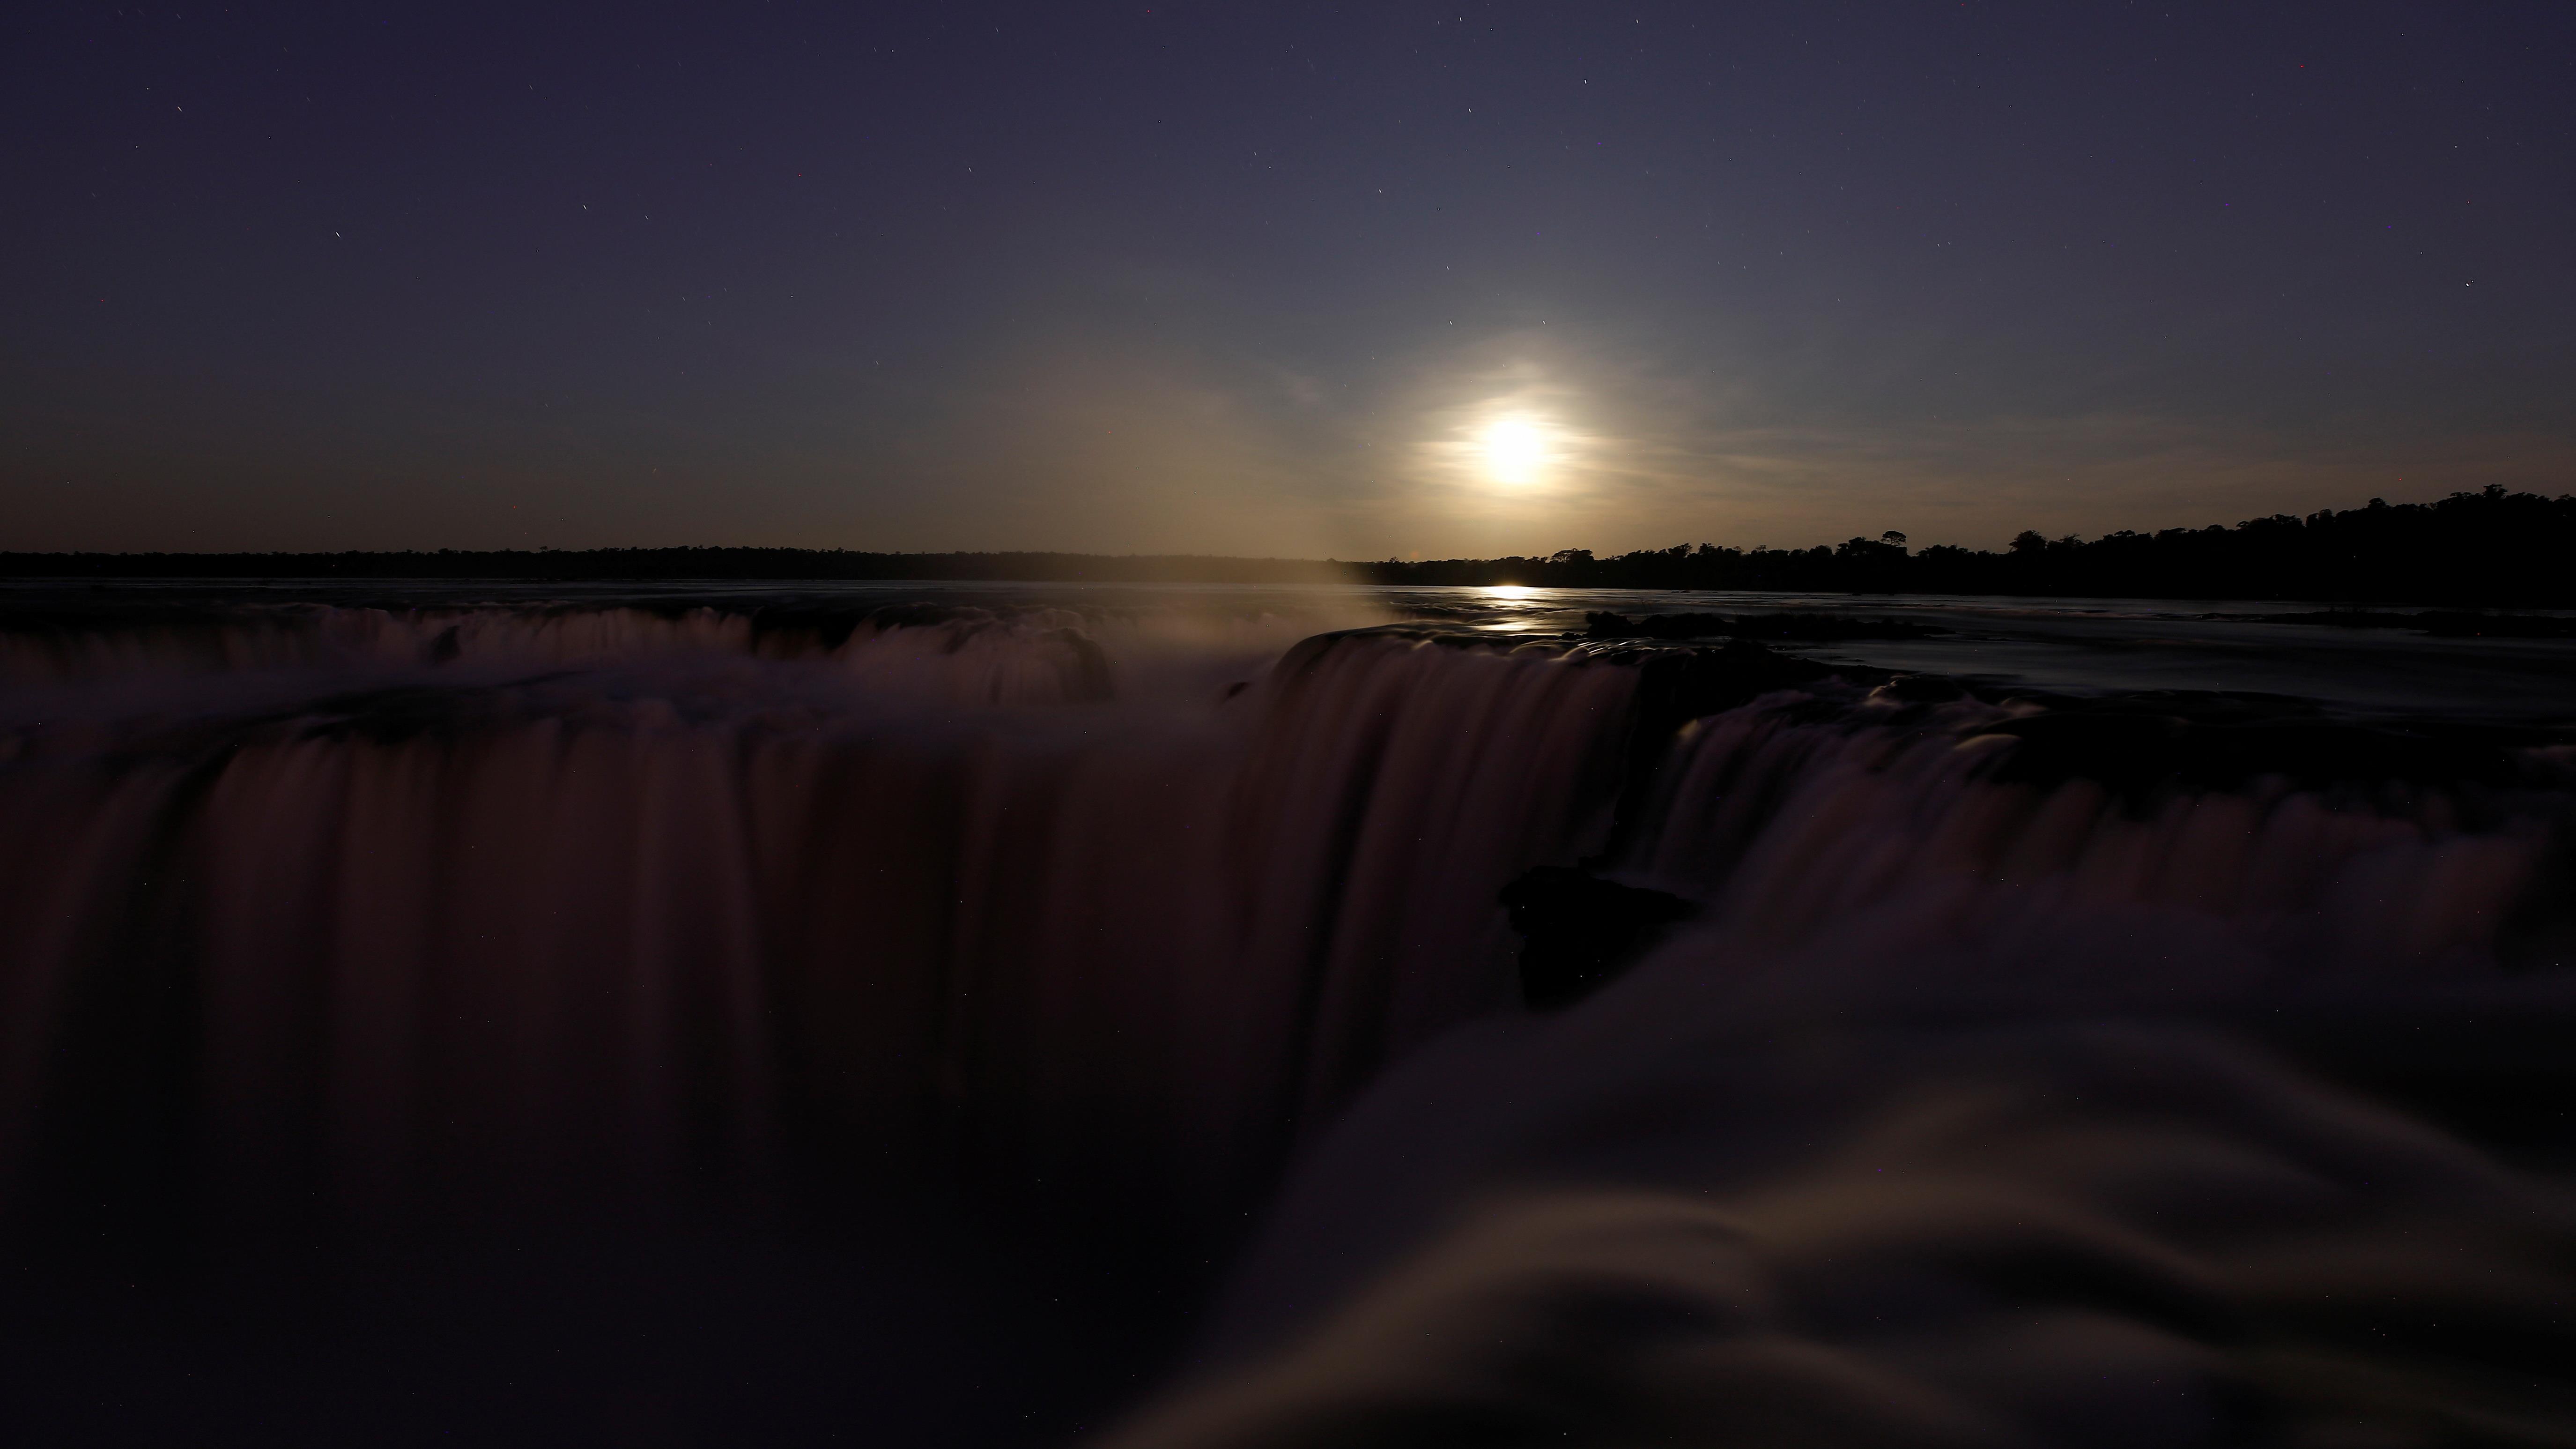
[(602, 926), (2023, 1076), (336, 925)]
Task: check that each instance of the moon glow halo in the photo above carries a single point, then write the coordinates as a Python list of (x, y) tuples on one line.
[(1515, 451)]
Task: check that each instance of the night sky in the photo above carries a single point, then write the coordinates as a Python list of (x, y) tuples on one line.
[(1360, 280)]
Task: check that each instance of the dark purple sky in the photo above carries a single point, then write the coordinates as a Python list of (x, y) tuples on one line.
[(1305, 279)]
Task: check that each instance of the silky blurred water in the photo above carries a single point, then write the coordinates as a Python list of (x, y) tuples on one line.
[(972, 1011)]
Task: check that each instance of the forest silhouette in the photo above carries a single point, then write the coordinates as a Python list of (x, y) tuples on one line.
[(2490, 547), (2487, 548)]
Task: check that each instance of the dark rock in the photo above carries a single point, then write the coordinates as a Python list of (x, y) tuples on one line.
[(2145, 746), (1829, 628), (1798, 628), (1922, 688), (1579, 932)]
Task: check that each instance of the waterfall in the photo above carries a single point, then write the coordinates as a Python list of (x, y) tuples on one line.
[(1994, 1093), (931, 902), (2412, 867), (332, 923)]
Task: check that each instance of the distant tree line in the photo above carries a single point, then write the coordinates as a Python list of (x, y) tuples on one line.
[(677, 563), (2486, 548), (2492, 547)]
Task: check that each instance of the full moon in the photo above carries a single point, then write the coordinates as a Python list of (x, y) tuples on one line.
[(1515, 450)]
